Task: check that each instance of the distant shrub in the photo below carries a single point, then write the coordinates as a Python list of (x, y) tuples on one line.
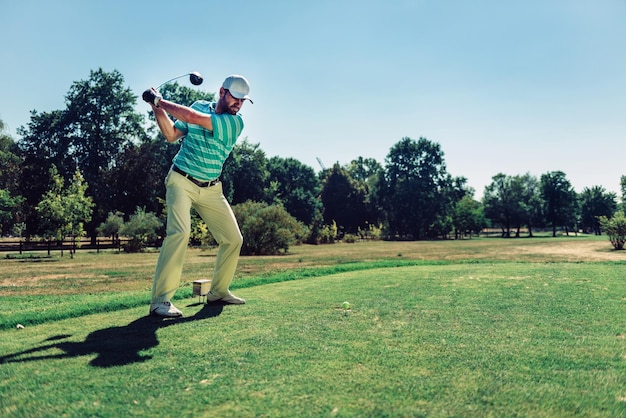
[(350, 238), (112, 226), (267, 229), (615, 228), (200, 234), (140, 228), (327, 234), (371, 232)]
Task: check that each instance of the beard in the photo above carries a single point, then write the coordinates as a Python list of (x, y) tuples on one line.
[(223, 107)]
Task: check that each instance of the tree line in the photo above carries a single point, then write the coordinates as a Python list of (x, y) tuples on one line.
[(97, 162)]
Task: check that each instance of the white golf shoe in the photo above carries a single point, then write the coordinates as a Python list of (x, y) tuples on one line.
[(165, 310), (229, 298)]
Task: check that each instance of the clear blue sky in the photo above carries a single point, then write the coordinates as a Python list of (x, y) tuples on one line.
[(504, 86)]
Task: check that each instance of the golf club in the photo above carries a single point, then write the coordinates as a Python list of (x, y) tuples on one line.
[(194, 77)]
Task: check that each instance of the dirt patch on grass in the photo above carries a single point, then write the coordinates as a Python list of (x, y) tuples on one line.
[(580, 251)]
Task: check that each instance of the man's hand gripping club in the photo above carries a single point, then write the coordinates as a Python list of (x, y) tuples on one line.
[(152, 96)]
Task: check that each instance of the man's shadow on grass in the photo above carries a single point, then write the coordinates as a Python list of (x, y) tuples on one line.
[(114, 346)]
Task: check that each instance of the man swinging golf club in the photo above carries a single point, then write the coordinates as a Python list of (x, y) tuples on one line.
[(210, 131)]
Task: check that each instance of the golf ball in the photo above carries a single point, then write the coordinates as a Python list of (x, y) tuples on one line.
[(346, 305)]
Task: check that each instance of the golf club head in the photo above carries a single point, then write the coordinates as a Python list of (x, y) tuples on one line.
[(195, 78)]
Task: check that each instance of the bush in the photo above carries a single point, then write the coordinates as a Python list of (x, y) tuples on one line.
[(350, 238), (615, 228), (200, 234), (371, 232), (112, 226), (327, 234), (267, 229), (140, 228)]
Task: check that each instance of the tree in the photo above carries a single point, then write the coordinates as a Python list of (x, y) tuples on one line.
[(267, 229), (141, 228), (344, 201), (64, 211), (10, 163), (468, 217), (44, 144), (90, 134), (366, 172), (296, 187), (615, 228), (595, 202), (622, 183), (10, 208), (412, 189), (138, 178), (112, 226), (497, 200), (364, 169), (531, 204), (560, 200), (455, 190), (102, 122), (245, 176)]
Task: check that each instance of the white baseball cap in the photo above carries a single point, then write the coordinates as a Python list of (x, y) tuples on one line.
[(238, 87)]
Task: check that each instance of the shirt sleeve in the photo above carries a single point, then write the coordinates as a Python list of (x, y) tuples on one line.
[(227, 127), (181, 126), (199, 105)]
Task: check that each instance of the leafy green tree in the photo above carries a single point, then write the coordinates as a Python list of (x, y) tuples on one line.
[(622, 183), (560, 201), (112, 226), (531, 203), (364, 169), (513, 202), (102, 122), (64, 211), (454, 190), (413, 188), (615, 228), (90, 134), (10, 199), (10, 208), (267, 229), (501, 200), (44, 143), (366, 172), (141, 228), (468, 217), (296, 187), (245, 175), (138, 178), (327, 234), (344, 200), (10, 162), (596, 202)]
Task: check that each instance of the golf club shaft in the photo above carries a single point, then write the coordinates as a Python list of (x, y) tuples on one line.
[(172, 79)]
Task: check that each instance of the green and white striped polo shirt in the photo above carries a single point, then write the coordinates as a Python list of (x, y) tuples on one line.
[(202, 153)]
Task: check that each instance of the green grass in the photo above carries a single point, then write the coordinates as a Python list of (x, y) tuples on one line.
[(422, 338), (38, 309)]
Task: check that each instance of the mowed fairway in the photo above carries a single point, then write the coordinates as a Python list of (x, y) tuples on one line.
[(474, 336)]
